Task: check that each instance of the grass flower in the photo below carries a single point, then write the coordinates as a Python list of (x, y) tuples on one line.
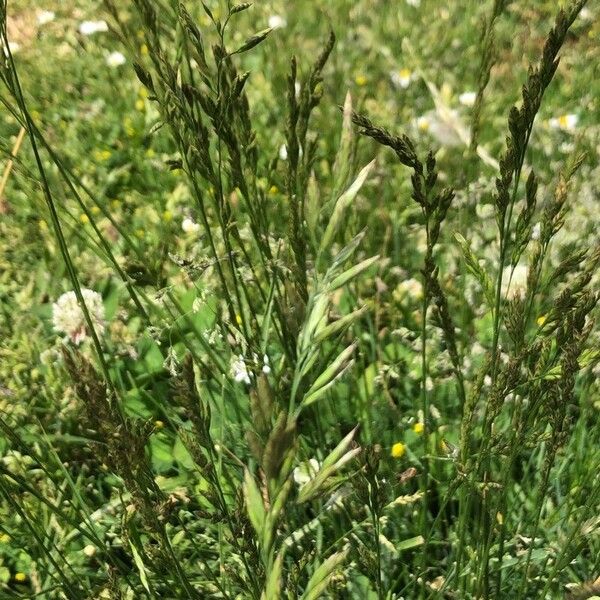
[(68, 317)]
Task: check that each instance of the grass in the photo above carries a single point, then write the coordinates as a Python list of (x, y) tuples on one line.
[(331, 287)]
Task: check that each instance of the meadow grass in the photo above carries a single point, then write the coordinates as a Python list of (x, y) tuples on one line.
[(299, 300)]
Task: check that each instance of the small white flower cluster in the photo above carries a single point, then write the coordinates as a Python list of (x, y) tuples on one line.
[(115, 59), (188, 225), (45, 16), (306, 471), (91, 27), (277, 22), (467, 98), (68, 317), (239, 368), (514, 282)]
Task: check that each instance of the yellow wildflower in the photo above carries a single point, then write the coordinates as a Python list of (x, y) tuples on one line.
[(20, 577), (418, 428), (273, 190), (360, 80), (140, 105), (84, 218), (541, 320), (398, 450), (144, 50), (158, 424), (167, 216)]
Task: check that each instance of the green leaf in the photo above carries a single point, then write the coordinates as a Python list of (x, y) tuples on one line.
[(322, 576), (253, 41), (139, 563), (254, 503), (342, 205), (412, 542)]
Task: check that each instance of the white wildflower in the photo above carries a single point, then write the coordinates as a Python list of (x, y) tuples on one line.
[(536, 231), (401, 78), (514, 282), (239, 370), (564, 122), (45, 16), (89, 550), (68, 317), (13, 47), (283, 152), (115, 59), (467, 98), (277, 22), (91, 27), (409, 287), (306, 471), (189, 225), (266, 369)]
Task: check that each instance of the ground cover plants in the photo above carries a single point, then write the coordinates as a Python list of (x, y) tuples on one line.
[(299, 300)]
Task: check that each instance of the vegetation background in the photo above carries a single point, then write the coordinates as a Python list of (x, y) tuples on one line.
[(321, 326)]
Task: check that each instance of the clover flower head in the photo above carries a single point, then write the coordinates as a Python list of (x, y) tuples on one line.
[(68, 317)]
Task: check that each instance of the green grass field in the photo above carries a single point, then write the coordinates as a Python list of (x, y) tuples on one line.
[(299, 300)]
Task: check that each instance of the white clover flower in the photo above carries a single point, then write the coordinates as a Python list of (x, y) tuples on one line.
[(277, 22), (45, 16), (115, 59), (189, 225), (68, 317), (91, 27), (536, 231), (239, 370), (564, 122), (467, 98), (306, 471), (401, 78), (514, 283)]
